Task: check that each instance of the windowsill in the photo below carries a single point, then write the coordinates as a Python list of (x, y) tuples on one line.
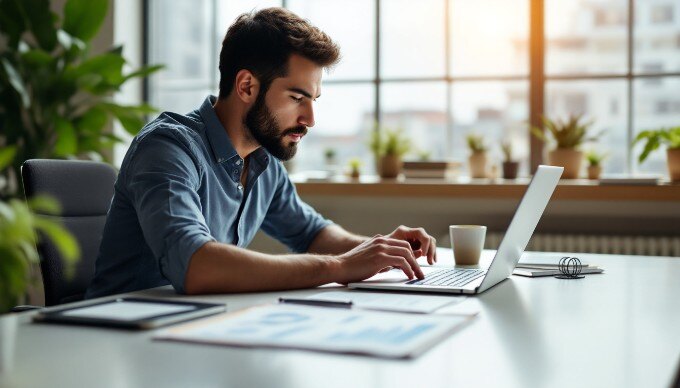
[(568, 189)]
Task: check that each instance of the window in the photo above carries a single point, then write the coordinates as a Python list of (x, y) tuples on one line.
[(441, 69)]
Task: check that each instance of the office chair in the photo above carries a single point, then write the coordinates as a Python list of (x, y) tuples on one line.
[(84, 190)]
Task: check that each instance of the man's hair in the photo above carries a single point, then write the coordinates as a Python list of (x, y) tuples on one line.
[(262, 42)]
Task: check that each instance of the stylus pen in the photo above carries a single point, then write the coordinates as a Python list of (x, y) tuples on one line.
[(316, 302)]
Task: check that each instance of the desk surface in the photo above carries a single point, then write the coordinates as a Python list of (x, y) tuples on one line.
[(619, 329)]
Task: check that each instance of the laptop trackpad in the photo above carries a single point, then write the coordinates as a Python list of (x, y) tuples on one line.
[(396, 275)]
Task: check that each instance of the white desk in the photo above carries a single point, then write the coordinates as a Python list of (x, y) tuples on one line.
[(619, 329)]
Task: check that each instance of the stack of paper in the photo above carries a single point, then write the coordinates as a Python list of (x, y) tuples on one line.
[(336, 330), (535, 267)]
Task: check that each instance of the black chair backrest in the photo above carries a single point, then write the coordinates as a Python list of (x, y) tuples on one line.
[(84, 190)]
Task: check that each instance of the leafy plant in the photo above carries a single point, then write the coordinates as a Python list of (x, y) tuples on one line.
[(355, 164), (506, 147), (476, 143), (424, 155), (329, 153), (18, 226), (569, 133), (654, 138), (55, 95), (385, 141), (595, 158)]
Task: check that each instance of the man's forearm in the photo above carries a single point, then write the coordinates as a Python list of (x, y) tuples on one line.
[(223, 268), (335, 240)]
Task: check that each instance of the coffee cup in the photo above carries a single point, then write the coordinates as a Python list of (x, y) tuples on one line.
[(467, 242)]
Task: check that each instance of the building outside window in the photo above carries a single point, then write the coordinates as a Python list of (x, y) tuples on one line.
[(441, 69)]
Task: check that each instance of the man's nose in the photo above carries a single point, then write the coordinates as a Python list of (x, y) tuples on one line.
[(307, 117)]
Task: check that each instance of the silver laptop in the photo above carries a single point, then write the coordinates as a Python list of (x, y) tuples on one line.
[(474, 281)]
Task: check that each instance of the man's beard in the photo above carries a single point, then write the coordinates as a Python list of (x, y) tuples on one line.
[(263, 128)]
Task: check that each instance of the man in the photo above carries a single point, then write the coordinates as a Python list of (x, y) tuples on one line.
[(194, 189)]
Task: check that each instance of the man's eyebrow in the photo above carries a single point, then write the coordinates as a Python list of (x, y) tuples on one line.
[(303, 92)]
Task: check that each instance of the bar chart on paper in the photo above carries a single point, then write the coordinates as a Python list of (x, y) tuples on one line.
[(322, 329)]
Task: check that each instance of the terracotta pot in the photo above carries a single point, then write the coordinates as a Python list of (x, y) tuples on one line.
[(673, 160), (568, 158), (477, 163), (510, 170), (355, 173), (390, 166), (594, 172)]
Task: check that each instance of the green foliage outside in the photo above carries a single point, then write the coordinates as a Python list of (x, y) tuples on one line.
[(55, 95), (569, 133), (655, 138)]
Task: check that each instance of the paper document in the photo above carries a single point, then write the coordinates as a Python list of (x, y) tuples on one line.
[(390, 302), (324, 329)]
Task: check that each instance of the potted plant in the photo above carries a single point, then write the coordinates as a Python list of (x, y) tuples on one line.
[(510, 166), (568, 135), (595, 159), (56, 96), (389, 146), (477, 159), (18, 227), (355, 168), (329, 156), (669, 137)]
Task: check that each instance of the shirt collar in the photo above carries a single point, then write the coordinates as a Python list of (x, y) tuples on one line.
[(220, 143)]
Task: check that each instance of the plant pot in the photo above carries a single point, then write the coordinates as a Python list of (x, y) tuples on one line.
[(510, 170), (673, 160), (390, 166), (568, 158), (477, 163), (354, 173), (594, 172)]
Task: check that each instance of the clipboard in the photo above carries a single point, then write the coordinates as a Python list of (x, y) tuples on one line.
[(130, 313)]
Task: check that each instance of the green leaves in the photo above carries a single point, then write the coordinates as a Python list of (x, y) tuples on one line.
[(83, 18), (67, 142), (655, 138), (19, 223), (56, 99), (569, 133), (7, 155)]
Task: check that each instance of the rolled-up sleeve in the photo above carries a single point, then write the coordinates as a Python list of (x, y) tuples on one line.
[(290, 220), (163, 180)]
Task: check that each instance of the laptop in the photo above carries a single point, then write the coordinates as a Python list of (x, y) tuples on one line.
[(474, 281)]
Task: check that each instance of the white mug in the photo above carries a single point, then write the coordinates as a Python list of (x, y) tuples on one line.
[(467, 242)]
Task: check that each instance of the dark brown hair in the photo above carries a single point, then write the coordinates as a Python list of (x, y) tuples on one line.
[(262, 42)]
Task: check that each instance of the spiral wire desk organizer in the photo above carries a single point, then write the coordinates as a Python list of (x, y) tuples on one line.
[(570, 268)]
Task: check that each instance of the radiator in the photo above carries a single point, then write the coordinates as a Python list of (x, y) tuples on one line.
[(623, 245)]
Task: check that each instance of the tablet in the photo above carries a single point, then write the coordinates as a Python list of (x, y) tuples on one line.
[(130, 313)]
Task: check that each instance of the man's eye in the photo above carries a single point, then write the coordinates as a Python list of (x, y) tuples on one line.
[(296, 99)]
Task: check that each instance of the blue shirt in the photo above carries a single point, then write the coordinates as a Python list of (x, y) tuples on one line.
[(178, 188)]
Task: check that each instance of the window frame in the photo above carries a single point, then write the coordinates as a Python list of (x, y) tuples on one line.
[(536, 77)]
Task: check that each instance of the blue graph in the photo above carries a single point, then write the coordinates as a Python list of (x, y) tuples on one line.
[(394, 336)]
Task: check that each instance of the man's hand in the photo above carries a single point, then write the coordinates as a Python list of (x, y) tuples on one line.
[(375, 254), (422, 243)]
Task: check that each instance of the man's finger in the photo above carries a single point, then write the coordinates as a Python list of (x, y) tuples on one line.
[(400, 262)]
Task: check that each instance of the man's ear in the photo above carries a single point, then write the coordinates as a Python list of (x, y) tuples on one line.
[(246, 86)]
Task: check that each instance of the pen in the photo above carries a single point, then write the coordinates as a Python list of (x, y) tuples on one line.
[(316, 302)]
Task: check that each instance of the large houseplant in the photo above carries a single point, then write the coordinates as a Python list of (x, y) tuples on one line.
[(55, 95), (18, 227), (568, 136), (654, 139)]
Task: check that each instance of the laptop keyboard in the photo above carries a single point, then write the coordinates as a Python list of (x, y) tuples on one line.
[(451, 277)]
